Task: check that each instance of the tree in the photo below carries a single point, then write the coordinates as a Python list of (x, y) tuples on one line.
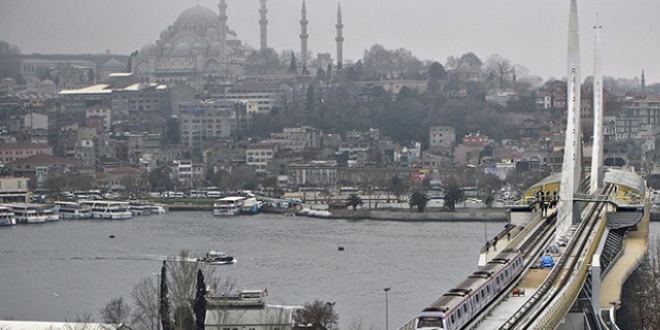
[(437, 74), (200, 301), (159, 179), (262, 62), (500, 67), (293, 67), (396, 187), (419, 200), (164, 300), (116, 312), (453, 195), (319, 315), (641, 293), (146, 311), (354, 201)]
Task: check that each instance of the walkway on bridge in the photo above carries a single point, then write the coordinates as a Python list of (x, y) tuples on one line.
[(634, 250)]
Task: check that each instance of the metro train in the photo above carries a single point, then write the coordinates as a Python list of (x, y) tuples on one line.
[(458, 307)]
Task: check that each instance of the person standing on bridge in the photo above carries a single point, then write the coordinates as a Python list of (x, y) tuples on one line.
[(495, 243), (487, 246), (508, 236)]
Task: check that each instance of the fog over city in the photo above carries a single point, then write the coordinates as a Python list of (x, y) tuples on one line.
[(531, 33)]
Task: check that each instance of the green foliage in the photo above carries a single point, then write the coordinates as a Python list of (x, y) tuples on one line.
[(159, 180), (419, 200), (262, 62), (380, 62), (199, 306), (354, 201), (453, 195)]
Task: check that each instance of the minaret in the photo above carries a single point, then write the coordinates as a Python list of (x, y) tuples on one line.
[(303, 38), (643, 83), (568, 209), (264, 26), (597, 149), (222, 31), (340, 39)]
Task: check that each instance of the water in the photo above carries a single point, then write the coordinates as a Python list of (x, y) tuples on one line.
[(56, 272)]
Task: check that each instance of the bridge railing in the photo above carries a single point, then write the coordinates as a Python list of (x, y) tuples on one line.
[(560, 308)]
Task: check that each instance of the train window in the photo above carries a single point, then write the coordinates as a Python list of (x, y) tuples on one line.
[(506, 273), (488, 289), (452, 318), (497, 280), (465, 308), (459, 313), (482, 294), (477, 298)]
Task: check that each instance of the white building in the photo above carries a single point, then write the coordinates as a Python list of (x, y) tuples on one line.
[(258, 155), (182, 173), (206, 119), (14, 189)]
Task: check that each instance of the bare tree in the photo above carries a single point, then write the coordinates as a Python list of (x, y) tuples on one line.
[(358, 324), (145, 300), (643, 292), (116, 312), (319, 315), (84, 322)]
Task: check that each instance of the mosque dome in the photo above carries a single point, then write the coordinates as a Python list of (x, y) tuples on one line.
[(181, 49), (114, 64), (167, 49), (197, 15), (47, 85), (148, 49)]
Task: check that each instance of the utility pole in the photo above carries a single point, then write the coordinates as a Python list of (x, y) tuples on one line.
[(387, 309)]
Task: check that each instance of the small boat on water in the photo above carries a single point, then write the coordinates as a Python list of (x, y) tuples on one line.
[(51, 212), (139, 208), (218, 258), (6, 217), (158, 209), (109, 209)]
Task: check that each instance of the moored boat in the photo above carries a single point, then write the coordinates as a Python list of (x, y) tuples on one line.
[(51, 211), (28, 213), (73, 210), (6, 217), (230, 205), (251, 206), (111, 210)]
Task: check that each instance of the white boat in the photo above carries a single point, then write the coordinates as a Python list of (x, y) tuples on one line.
[(228, 206), (73, 210), (28, 213), (218, 258), (52, 213), (6, 217), (251, 206), (109, 209), (158, 209), (140, 208)]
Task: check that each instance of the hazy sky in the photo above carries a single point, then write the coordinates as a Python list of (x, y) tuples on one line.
[(528, 32)]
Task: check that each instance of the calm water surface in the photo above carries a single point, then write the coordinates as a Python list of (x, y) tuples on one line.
[(62, 270)]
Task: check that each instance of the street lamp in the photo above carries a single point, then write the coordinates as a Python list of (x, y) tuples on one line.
[(387, 309)]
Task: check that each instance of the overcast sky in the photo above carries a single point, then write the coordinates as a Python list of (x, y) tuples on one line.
[(528, 32)]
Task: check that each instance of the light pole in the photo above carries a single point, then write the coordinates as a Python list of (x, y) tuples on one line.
[(387, 309)]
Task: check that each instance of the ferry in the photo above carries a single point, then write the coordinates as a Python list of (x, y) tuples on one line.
[(139, 208), (228, 206), (51, 212), (158, 209), (251, 206), (28, 213), (73, 210), (109, 209), (6, 217)]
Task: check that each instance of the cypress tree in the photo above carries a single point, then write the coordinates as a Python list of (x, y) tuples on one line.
[(200, 301), (165, 322)]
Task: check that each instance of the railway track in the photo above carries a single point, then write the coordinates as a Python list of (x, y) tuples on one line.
[(560, 275)]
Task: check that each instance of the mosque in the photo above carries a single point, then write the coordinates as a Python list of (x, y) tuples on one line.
[(198, 47)]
